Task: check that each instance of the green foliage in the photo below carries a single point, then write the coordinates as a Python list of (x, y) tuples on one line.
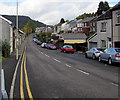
[(6, 48), (29, 28), (45, 37), (102, 7), (2, 58), (85, 15)]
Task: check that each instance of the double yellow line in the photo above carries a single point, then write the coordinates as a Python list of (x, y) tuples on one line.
[(23, 66)]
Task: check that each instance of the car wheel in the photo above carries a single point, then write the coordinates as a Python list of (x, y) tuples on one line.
[(99, 59), (86, 55), (109, 61), (93, 57)]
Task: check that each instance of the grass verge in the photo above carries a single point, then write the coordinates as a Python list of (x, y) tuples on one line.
[(2, 58)]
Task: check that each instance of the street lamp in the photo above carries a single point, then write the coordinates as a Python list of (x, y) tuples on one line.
[(17, 32)]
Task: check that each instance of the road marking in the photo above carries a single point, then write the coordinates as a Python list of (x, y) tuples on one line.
[(115, 84), (26, 79), (42, 52), (82, 71), (56, 60), (21, 81), (47, 55), (67, 65)]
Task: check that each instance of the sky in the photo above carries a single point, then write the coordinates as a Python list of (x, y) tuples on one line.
[(51, 11)]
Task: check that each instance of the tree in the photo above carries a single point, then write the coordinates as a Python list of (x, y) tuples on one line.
[(29, 27), (45, 37), (103, 6), (106, 5), (62, 20), (85, 15)]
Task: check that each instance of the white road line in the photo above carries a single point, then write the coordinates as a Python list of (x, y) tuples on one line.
[(115, 84), (42, 52), (67, 65), (47, 55), (56, 60), (82, 71)]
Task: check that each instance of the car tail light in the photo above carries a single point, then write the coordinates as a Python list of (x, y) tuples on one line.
[(117, 55), (97, 52)]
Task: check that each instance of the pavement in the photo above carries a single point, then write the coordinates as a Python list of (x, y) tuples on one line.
[(9, 67)]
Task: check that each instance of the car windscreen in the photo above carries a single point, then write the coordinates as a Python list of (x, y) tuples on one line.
[(69, 46), (117, 50)]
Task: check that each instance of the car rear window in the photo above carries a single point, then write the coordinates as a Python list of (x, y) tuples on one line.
[(99, 49), (117, 50)]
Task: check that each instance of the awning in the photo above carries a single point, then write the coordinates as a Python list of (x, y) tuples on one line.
[(74, 41)]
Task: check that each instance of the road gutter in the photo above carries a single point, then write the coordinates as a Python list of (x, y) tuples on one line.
[(14, 78)]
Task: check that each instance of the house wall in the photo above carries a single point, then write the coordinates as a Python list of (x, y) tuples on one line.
[(6, 32), (0, 29), (104, 35), (116, 28), (92, 42)]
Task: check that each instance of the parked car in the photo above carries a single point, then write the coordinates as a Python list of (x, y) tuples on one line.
[(110, 55), (67, 48), (44, 45), (38, 42), (94, 53), (52, 46), (34, 39)]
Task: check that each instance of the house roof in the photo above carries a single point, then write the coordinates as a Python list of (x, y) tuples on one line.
[(106, 15), (94, 35), (88, 19), (73, 21), (8, 21), (116, 7), (74, 36)]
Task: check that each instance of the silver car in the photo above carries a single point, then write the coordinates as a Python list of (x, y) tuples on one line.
[(93, 53), (110, 55)]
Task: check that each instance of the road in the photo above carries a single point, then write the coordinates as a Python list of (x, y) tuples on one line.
[(53, 74)]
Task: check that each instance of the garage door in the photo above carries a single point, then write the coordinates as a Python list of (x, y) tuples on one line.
[(93, 44)]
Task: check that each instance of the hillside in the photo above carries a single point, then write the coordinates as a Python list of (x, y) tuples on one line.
[(22, 20)]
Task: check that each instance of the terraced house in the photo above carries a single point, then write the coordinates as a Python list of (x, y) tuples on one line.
[(8, 33), (116, 25), (108, 29)]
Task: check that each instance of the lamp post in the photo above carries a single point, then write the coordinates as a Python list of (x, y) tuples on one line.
[(17, 32)]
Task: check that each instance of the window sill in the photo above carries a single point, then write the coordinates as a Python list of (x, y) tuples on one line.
[(103, 31), (118, 24)]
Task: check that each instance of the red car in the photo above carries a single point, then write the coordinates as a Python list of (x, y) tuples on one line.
[(67, 48)]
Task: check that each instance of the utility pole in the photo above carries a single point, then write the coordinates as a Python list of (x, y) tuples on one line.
[(17, 32)]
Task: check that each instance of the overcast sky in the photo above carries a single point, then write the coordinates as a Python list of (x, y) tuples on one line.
[(51, 11)]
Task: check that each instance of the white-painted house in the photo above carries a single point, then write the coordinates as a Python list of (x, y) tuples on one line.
[(6, 31)]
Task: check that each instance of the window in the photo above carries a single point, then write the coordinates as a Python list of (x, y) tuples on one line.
[(118, 18), (103, 43), (103, 27)]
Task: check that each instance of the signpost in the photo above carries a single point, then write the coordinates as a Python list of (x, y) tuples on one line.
[(17, 33)]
